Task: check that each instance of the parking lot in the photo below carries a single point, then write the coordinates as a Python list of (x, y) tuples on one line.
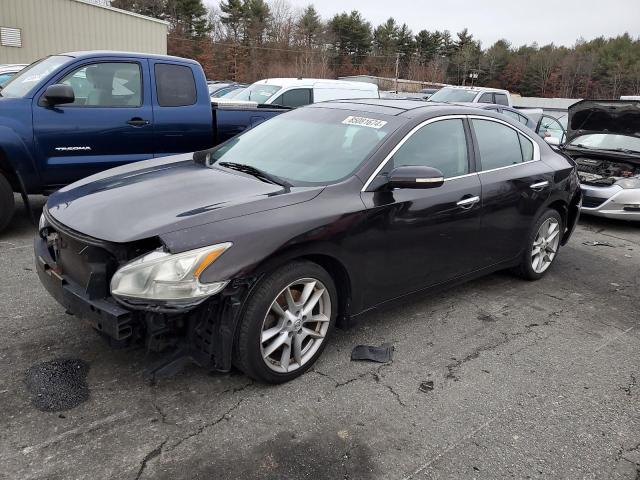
[(530, 380)]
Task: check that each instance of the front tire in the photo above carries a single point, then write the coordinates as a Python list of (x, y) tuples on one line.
[(7, 202), (542, 246), (286, 323)]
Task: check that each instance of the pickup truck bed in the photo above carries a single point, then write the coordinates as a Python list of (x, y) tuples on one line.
[(230, 119)]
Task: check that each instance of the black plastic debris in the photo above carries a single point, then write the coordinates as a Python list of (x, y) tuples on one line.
[(58, 385), (426, 387), (381, 354)]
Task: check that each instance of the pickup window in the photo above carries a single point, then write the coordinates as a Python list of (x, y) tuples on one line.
[(501, 99), (294, 98), (175, 85), (486, 98), (108, 84)]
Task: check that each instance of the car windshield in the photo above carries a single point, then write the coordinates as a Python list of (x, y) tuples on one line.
[(606, 141), (258, 92), (307, 146), (213, 87), (232, 93), (28, 78), (453, 95)]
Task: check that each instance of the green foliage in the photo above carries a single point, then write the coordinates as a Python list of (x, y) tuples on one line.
[(309, 26), (351, 34)]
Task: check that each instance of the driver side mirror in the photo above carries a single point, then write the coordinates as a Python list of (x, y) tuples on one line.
[(58, 94), (555, 141), (415, 177)]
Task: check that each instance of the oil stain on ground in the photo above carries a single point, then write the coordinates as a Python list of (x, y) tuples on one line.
[(288, 456), (58, 384)]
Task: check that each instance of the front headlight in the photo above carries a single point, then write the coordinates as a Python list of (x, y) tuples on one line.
[(161, 276), (633, 182), (43, 222)]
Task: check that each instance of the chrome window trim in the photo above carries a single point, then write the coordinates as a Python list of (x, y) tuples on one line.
[(461, 176), (402, 142), (536, 147)]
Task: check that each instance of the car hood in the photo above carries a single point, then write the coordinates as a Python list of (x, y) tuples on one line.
[(619, 117), (159, 196)]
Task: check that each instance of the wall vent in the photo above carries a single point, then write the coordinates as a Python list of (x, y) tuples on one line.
[(10, 37)]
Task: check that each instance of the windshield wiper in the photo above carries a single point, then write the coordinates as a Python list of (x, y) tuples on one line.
[(256, 172)]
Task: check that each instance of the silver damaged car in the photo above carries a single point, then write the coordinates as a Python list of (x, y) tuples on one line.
[(603, 138)]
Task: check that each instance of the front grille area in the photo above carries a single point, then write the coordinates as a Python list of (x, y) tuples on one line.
[(592, 202), (89, 266)]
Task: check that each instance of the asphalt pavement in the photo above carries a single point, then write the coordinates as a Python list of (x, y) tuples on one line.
[(497, 378)]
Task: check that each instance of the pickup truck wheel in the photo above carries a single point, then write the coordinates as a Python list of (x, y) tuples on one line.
[(542, 246), (286, 323), (7, 202)]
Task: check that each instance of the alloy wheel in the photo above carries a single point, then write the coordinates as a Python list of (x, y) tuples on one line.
[(545, 245), (295, 325)]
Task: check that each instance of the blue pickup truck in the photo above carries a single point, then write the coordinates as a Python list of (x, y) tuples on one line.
[(71, 115)]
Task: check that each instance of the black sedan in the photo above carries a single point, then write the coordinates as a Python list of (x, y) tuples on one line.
[(249, 253)]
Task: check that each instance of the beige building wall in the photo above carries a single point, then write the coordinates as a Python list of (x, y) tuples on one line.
[(56, 26)]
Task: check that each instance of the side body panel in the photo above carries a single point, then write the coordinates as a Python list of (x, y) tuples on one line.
[(72, 142), (185, 128)]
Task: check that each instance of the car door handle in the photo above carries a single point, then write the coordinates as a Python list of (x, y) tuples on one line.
[(469, 202), (539, 186), (138, 122)]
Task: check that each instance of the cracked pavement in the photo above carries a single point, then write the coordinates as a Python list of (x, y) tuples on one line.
[(530, 380)]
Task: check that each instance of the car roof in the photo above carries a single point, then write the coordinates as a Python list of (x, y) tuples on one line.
[(119, 54), (401, 108)]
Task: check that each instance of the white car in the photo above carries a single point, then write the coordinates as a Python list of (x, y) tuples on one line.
[(603, 139), (8, 71), (296, 92), (465, 94)]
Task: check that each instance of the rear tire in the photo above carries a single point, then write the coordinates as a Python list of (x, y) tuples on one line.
[(7, 202), (542, 246), (286, 323)]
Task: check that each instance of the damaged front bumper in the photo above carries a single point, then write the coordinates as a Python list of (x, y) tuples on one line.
[(202, 333), (611, 202)]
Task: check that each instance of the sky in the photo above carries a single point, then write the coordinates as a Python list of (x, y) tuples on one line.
[(521, 22)]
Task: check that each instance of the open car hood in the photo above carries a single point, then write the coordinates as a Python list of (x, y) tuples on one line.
[(620, 117)]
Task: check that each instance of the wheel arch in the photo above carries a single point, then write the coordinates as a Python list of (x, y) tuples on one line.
[(562, 208), (335, 267), (8, 171)]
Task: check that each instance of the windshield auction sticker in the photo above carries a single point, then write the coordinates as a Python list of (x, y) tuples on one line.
[(364, 122)]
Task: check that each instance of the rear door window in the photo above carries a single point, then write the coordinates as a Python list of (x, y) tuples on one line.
[(294, 98), (499, 144), (441, 144), (526, 146), (175, 85)]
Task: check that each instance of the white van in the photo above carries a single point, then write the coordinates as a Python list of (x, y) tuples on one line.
[(296, 92)]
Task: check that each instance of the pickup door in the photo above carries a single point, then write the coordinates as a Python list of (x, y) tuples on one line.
[(182, 115), (109, 123)]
